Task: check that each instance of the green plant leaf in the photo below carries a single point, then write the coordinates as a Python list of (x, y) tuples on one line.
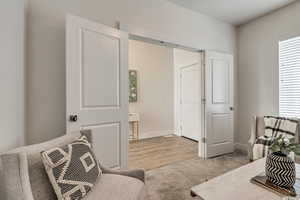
[(275, 148), (297, 151), (284, 145)]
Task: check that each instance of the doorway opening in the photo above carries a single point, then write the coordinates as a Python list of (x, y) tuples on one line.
[(164, 90)]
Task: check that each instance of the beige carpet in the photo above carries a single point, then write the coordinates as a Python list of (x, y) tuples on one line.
[(173, 182)]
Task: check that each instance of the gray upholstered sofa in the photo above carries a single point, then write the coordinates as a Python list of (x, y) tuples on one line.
[(258, 129), (22, 176)]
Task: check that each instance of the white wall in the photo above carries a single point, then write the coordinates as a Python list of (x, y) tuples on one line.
[(155, 104), (258, 64), (158, 19), (12, 80)]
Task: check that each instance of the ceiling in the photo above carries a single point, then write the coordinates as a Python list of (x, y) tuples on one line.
[(236, 12)]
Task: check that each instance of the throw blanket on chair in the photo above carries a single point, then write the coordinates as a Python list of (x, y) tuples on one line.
[(274, 127)]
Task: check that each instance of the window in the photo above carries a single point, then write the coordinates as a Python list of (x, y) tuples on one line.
[(289, 78)]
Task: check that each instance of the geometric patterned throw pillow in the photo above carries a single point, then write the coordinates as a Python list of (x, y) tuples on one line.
[(72, 170)]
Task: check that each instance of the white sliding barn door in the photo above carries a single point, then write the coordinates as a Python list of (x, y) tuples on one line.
[(97, 87), (219, 104)]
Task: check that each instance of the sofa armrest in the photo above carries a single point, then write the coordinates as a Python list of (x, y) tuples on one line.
[(136, 173), (15, 177)]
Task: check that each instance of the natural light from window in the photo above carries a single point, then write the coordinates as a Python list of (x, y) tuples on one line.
[(289, 78)]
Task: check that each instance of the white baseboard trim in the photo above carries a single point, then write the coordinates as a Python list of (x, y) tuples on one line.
[(176, 132), (241, 147), (152, 134)]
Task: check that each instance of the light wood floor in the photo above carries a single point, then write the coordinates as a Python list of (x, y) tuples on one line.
[(161, 151)]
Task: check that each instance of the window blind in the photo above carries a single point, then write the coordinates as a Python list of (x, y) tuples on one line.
[(289, 78)]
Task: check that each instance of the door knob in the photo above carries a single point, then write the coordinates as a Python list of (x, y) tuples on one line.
[(231, 108), (73, 118)]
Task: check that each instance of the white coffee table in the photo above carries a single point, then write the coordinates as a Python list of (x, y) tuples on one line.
[(235, 185)]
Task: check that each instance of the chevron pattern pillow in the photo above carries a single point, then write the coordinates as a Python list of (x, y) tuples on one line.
[(73, 169)]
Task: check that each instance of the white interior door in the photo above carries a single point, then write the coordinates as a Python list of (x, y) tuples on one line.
[(97, 85), (219, 104), (190, 101)]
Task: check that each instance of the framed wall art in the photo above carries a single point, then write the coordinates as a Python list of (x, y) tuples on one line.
[(133, 86)]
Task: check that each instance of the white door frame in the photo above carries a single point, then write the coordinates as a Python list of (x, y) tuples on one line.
[(180, 95), (177, 90), (202, 146), (202, 149), (177, 106), (202, 152)]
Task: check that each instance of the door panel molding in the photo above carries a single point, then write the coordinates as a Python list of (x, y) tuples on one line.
[(220, 83), (190, 101), (102, 132), (114, 74), (218, 128)]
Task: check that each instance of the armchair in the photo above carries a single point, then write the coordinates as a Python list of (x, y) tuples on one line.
[(258, 129), (23, 177)]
